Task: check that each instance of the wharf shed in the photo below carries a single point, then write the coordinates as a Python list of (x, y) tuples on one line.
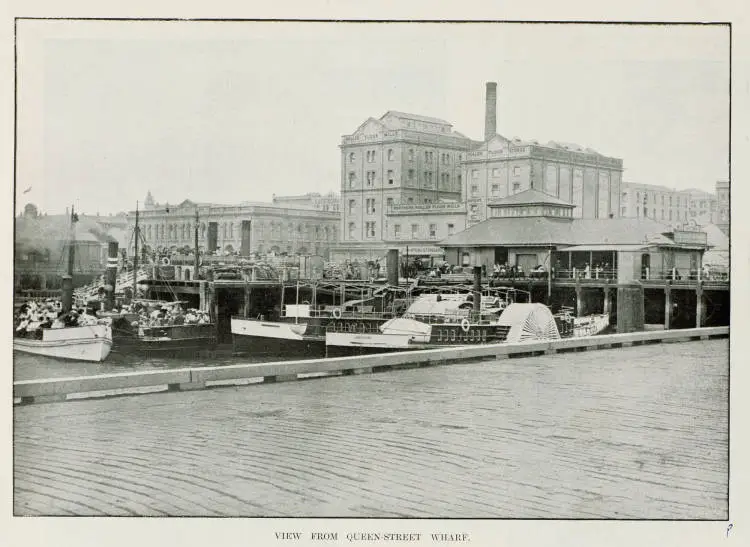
[(532, 229)]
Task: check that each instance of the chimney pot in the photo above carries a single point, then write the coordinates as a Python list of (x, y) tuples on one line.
[(490, 112)]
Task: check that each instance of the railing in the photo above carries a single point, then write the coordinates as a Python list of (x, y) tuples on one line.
[(684, 276), (326, 312), (584, 273), (32, 294)]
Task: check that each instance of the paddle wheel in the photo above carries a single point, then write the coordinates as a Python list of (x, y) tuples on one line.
[(529, 322)]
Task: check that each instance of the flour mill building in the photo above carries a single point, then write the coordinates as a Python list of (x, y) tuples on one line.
[(406, 165)]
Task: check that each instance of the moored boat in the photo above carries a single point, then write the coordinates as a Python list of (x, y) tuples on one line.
[(454, 321), (87, 343), (300, 328), (54, 329), (150, 326), (435, 320)]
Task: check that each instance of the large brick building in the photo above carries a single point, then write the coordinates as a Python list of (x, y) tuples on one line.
[(723, 211), (675, 208), (245, 228), (397, 159), (402, 160), (500, 167)]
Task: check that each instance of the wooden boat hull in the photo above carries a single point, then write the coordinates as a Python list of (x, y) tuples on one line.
[(307, 348), (440, 335), (170, 339), (90, 343), (306, 338)]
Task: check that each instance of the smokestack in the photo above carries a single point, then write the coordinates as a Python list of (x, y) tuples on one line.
[(391, 265), (111, 278), (490, 111)]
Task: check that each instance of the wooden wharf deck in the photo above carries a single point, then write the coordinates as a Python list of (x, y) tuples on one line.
[(634, 433)]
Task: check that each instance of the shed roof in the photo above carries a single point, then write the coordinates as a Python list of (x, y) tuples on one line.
[(529, 197), (535, 231)]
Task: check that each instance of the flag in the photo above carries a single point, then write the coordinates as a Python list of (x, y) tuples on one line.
[(27, 190)]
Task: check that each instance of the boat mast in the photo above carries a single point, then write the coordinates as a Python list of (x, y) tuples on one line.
[(67, 280), (71, 247), (136, 235), (197, 261)]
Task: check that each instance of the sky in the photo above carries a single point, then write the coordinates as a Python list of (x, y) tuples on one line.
[(227, 112)]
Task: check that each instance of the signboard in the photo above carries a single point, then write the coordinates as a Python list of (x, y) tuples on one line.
[(408, 207), (422, 250), (686, 237)]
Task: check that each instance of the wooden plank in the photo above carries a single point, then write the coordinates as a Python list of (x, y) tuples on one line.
[(196, 378)]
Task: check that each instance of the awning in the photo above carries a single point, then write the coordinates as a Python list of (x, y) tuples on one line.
[(633, 247)]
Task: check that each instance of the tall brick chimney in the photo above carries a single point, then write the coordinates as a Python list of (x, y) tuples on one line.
[(490, 111)]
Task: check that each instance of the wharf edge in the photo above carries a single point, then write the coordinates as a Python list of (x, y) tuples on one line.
[(187, 379)]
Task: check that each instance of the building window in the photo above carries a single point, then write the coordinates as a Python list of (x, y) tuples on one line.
[(410, 176), (450, 229), (653, 213), (352, 157), (516, 171), (370, 206), (409, 200), (433, 231), (397, 231), (495, 190), (370, 229), (474, 189), (623, 211), (475, 174), (352, 179), (473, 208), (414, 231), (390, 176), (495, 172), (458, 181), (638, 211), (670, 201), (352, 204), (390, 154), (662, 214), (389, 203), (370, 178), (351, 230), (426, 201), (428, 179), (411, 154), (516, 187), (670, 214)]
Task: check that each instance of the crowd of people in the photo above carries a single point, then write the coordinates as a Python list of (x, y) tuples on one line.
[(353, 270), (163, 314), (33, 316)]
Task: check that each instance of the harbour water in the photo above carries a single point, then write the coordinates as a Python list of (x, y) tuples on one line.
[(630, 433)]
